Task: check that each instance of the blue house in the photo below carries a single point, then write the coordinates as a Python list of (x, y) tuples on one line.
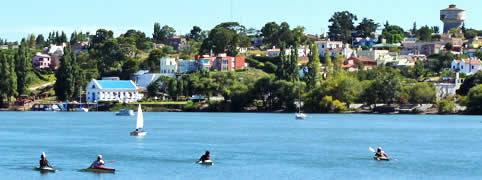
[(112, 90)]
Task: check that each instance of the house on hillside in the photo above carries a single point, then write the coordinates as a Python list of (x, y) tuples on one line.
[(205, 62), (228, 63), (168, 66), (467, 66), (186, 66), (475, 42), (124, 91), (351, 64), (368, 41), (177, 42), (80, 47), (41, 61), (328, 45)]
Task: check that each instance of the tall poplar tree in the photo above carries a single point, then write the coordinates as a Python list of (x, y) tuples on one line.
[(313, 66), (64, 86), (12, 80), (22, 67), (4, 68)]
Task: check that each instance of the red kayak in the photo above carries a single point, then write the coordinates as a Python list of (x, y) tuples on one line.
[(100, 169)]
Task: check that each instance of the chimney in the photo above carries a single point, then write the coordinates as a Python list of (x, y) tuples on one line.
[(452, 6)]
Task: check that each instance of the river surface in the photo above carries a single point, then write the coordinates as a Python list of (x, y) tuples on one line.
[(244, 145)]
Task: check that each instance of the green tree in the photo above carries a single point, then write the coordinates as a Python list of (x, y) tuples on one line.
[(129, 68), (153, 61), (339, 60), (313, 74), (328, 64), (172, 88), (414, 29), (419, 69), (425, 33), (440, 61), (22, 67), (422, 93), (195, 33), (153, 89), (65, 84), (165, 33), (157, 36), (393, 33), (435, 29), (225, 38), (270, 32), (180, 87), (4, 78), (446, 106), (342, 24), (470, 82), (40, 41), (474, 99), (367, 27)]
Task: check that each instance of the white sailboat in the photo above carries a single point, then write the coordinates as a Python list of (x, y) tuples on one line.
[(299, 115), (139, 124)]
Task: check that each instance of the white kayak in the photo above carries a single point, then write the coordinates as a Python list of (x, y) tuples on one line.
[(206, 162), (45, 169)]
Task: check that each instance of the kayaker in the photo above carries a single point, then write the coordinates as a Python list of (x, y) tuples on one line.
[(380, 153), (43, 161), (205, 157), (97, 163)]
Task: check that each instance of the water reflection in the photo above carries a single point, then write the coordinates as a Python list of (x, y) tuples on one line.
[(140, 143)]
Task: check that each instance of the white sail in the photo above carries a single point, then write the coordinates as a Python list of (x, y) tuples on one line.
[(140, 118)]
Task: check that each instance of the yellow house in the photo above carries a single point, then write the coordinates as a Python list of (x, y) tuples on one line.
[(475, 42)]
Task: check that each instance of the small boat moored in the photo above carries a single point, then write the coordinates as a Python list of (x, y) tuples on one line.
[(99, 170), (125, 112)]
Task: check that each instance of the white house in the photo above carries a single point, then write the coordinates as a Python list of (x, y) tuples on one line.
[(168, 66), (467, 66), (111, 90), (328, 45)]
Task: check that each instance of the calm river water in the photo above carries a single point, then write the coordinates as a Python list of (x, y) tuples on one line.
[(246, 146)]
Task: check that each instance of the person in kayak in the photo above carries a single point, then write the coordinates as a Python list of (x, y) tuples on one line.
[(380, 153), (205, 157), (43, 161), (97, 163)]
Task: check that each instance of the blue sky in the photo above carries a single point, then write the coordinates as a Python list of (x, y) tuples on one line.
[(21, 17)]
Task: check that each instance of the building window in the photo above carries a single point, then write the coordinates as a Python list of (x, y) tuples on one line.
[(461, 67), (93, 86), (472, 66)]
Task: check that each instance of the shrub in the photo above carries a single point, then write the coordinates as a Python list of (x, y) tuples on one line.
[(446, 106), (338, 106), (474, 100)]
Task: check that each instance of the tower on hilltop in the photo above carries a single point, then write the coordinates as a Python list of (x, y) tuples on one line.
[(452, 17)]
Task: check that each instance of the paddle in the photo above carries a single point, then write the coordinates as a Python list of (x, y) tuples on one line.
[(110, 162)]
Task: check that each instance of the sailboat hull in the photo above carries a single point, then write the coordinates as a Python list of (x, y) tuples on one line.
[(300, 116), (142, 133)]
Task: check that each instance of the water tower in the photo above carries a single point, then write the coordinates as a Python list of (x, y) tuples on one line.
[(452, 17)]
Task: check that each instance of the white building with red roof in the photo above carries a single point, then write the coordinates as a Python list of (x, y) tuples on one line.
[(467, 66)]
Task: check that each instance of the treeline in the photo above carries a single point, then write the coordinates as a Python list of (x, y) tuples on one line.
[(15, 67)]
